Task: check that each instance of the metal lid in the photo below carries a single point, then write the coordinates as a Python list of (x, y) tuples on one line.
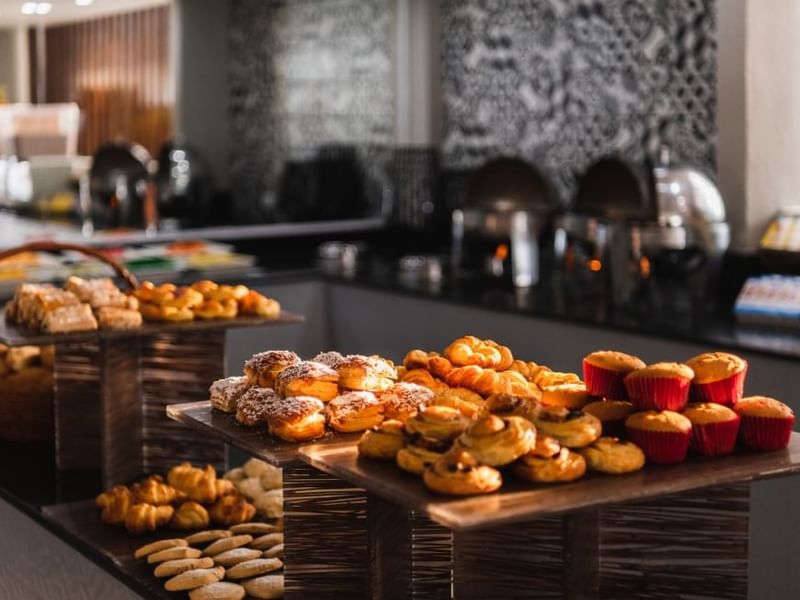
[(685, 195), (506, 185), (614, 189)]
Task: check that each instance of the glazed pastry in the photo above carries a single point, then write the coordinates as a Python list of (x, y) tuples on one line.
[(142, 518), (469, 350), (519, 386), (545, 446), (566, 465), (424, 378), (766, 423), (226, 293), (115, 505), (369, 373), (225, 393), (569, 395), (612, 414), (496, 441), (199, 485), (506, 405), (605, 371), (149, 293), (153, 490), (663, 436), (661, 386), (613, 455), (573, 429), (65, 319), (230, 510), (404, 400), (190, 515), (384, 441), (415, 459), (483, 381), (467, 402), (262, 369), (330, 359), (308, 379), (158, 546), (718, 377), (259, 305), (209, 310), (354, 411), (438, 423), (457, 473), (439, 367), (114, 317), (251, 408), (296, 419)]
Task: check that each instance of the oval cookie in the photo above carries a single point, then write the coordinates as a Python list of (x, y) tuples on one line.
[(253, 568), (265, 587), (222, 590), (173, 554), (267, 541), (235, 556), (171, 568), (206, 537), (194, 579), (254, 528), (148, 549), (274, 552)]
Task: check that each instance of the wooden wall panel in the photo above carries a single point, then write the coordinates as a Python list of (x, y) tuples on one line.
[(117, 69)]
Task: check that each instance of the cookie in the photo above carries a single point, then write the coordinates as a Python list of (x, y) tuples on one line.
[(173, 554), (171, 568), (235, 556), (221, 590), (206, 537), (267, 541), (148, 549), (265, 587), (194, 579), (230, 543), (254, 528), (253, 568), (274, 552)]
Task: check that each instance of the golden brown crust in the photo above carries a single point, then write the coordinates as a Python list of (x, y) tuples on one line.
[(384, 441), (613, 456), (367, 373), (142, 518), (199, 485), (663, 369), (715, 366), (482, 381), (569, 395), (354, 411), (115, 504), (230, 510), (614, 361), (703, 413), (330, 358), (153, 490), (415, 459), (571, 428), (467, 402), (564, 466), (190, 515), (437, 422), (762, 406), (308, 379), (665, 420), (418, 359), (404, 400), (498, 441), (424, 378), (261, 369), (470, 350), (259, 305), (253, 404), (457, 473), (508, 405), (296, 419)]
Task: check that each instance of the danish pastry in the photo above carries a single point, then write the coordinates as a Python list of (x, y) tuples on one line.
[(519, 386), (262, 369), (483, 381), (470, 350), (496, 441), (225, 393), (226, 293), (457, 473), (424, 378), (545, 446), (368, 373), (613, 455), (467, 402), (438, 423), (183, 297), (564, 466), (508, 405), (354, 411), (404, 400), (529, 370), (114, 317), (547, 378), (384, 441), (415, 459), (572, 428), (569, 395), (308, 379), (439, 367), (296, 419), (190, 515), (157, 312)]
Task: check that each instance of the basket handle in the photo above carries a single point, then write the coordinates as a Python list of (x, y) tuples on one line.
[(124, 273)]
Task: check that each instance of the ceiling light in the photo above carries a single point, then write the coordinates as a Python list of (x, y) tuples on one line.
[(43, 8), (29, 8), (83, 2)]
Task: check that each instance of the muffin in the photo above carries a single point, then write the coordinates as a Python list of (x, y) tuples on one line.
[(718, 377), (766, 423), (605, 370), (612, 414), (663, 436), (661, 386), (714, 428), (569, 395)]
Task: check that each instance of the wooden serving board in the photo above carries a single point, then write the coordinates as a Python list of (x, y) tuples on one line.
[(255, 440), (520, 501), (12, 335)]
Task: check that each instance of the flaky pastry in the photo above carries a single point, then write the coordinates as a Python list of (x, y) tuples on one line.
[(308, 378), (404, 400), (437, 422), (564, 466), (367, 373), (354, 411), (572, 428), (470, 350), (498, 441), (384, 441), (296, 418), (262, 369), (457, 473)]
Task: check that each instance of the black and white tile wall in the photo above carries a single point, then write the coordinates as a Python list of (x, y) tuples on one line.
[(563, 82)]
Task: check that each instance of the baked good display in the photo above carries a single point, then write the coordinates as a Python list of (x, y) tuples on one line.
[(565, 465), (308, 378), (296, 419), (331, 358), (404, 400), (612, 414), (457, 473), (251, 407), (190, 515), (718, 377), (367, 373), (384, 441), (423, 378), (660, 386), (497, 441), (508, 405), (354, 411), (263, 368), (604, 372), (438, 423), (714, 428), (663, 436), (570, 395), (415, 459), (766, 423), (470, 350), (225, 393), (572, 428), (613, 455)]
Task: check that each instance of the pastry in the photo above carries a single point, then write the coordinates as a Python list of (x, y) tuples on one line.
[(296, 419), (330, 359), (250, 487), (182, 298), (114, 317), (498, 441), (230, 510), (142, 518), (221, 590), (714, 428), (470, 350), (612, 414), (483, 381), (404, 400), (259, 305), (252, 405), (418, 359), (148, 549), (438, 423), (354, 411), (153, 490), (718, 377), (271, 479), (384, 441), (415, 459), (152, 294), (270, 475), (257, 529), (423, 378), (613, 455), (205, 287), (456, 473), (156, 312), (261, 369), (225, 488), (194, 579), (547, 377), (223, 545), (519, 386), (604, 372), (572, 428), (266, 541), (569, 395), (170, 568), (529, 370), (66, 319), (235, 556), (21, 358), (564, 466), (368, 373), (275, 552), (265, 587), (308, 379), (190, 515), (545, 446), (85, 288), (174, 553), (661, 386), (115, 505), (199, 485), (206, 537), (227, 293), (253, 568), (663, 436), (269, 504), (508, 405), (216, 309), (766, 423), (439, 367)]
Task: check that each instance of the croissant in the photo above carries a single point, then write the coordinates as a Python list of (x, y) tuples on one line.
[(142, 518), (520, 386), (153, 490), (424, 378), (231, 510), (469, 350), (225, 488), (190, 515), (115, 505), (483, 381), (439, 366), (529, 370), (199, 485), (418, 359)]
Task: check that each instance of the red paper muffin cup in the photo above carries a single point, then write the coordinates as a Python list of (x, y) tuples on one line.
[(661, 447), (604, 382), (766, 433), (715, 439), (658, 393), (726, 391)]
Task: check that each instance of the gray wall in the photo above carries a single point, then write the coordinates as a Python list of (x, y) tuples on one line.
[(8, 60)]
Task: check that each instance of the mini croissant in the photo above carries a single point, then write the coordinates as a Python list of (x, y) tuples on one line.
[(225, 488), (153, 490), (190, 515), (115, 505), (142, 518), (231, 510), (199, 485)]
